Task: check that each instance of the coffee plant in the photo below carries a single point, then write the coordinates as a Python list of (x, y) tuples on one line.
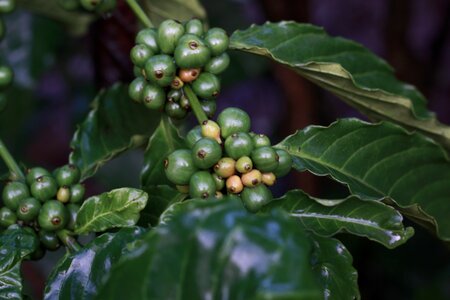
[(205, 224)]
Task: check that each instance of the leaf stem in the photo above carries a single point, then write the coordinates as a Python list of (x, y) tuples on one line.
[(68, 240), (195, 104), (16, 172), (139, 13)]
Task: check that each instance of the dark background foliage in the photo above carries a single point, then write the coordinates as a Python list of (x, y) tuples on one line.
[(57, 75)]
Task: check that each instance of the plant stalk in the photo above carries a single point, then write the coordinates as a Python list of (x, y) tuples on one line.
[(195, 104), (16, 172), (68, 240), (139, 13)]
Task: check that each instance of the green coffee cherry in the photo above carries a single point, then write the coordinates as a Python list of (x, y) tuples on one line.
[(176, 83), (265, 159), (206, 153), (179, 166), (13, 193), (268, 179), (209, 106), (212, 130), (49, 239), (254, 198), (175, 110), (140, 54), (193, 136), (6, 76), (233, 120), (34, 173), (191, 52), (202, 185), (135, 89), (77, 193), (7, 217), (149, 38), (206, 86), (7, 6), (160, 69), (244, 165), (169, 32), (220, 182), (153, 96), (90, 5), (174, 95), (44, 188), (28, 209), (217, 40), (67, 175), (260, 140), (252, 178), (218, 64), (225, 167), (194, 26), (63, 194), (238, 145), (73, 212), (139, 72), (234, 184), (53, 216), (184, 103), (189, 75), (284, 163)]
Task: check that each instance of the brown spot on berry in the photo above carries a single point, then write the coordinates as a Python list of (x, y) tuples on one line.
[(24, 209), (201, 153), (205, 195), (193, 45), (255, 181), (159, 74), (215, 94), (56, 221), (166, 163)]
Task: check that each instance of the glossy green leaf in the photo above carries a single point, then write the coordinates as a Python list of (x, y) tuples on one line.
[(379, 161), (114, 125), (332, 264), (181, 10), (217, 250), (16, 243), (159, 199), (345, 68), (79, 275), (164, 141), (117, 208), (370, 219)]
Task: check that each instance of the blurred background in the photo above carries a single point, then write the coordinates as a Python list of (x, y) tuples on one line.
[(58, 75)]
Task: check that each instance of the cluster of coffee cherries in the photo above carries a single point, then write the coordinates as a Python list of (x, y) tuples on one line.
[(43, 204), (226, 158), (97, 6), (173, 56), (6, 73)]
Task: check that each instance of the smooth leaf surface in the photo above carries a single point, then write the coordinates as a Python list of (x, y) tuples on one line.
[(79, 275), (114, 125), (164, 141), (16, 243), (117, 208), (370, 219), (332, 264), (159, 199), (216, 250), (345, 68), (379, 161), (181, 10)]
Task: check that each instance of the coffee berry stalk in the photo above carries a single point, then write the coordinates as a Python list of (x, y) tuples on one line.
[(225, 158)]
